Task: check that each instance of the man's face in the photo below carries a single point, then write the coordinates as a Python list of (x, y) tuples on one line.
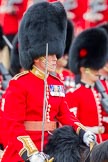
[(89, 75), (62, 62), (93, 75), (50, 63)]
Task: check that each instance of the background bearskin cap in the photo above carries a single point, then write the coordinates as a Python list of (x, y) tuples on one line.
[(89, 49), (42, 23), (105, 27), (14, 61), (69, 36)]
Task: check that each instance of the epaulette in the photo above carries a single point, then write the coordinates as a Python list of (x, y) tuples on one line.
[(20, 74), (55, 75), (74, 88)]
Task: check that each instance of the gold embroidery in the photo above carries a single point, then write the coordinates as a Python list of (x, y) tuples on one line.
[(38, 72), (78, 130), (80, 126), (28, 145), (19, 75)]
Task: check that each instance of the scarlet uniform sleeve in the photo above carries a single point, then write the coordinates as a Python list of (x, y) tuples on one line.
[(67, 118), (72, 103), (14, 115)]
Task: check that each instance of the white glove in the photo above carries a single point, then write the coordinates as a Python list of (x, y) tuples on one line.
[(39, 157), (89, 137)]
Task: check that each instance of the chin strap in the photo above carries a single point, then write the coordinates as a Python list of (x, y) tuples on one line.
[(92, 144), (50, 160)]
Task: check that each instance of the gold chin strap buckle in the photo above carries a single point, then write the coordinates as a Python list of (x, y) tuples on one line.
[(50, 160), (92, 145)]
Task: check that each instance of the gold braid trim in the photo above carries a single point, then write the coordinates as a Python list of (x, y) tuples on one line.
[(28, 145), (80, 126)]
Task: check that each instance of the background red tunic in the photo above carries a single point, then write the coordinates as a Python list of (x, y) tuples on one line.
[(86, 105)]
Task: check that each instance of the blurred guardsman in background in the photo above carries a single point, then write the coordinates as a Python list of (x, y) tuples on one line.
[(15, 66), (11, 12), (4, 63), (104, 71), (103, 83), (4, 51), (87, 56), (34, 100), (96, 13), (4, 74)]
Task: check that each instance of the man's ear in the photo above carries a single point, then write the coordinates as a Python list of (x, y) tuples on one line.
[(82, 69), (36, 60)]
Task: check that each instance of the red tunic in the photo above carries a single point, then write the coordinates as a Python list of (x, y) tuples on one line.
[(105, 84), (24, 102), (85, 103), (68, 78)]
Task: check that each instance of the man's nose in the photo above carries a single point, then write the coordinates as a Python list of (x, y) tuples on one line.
[(55, 57)]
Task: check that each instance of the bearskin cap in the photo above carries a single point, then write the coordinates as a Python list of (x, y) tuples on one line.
[(14, 61), (65, 145), (43, 23), (89, 49), (105, 27)]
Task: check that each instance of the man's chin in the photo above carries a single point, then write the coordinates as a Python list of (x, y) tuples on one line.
[(51, 70)]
